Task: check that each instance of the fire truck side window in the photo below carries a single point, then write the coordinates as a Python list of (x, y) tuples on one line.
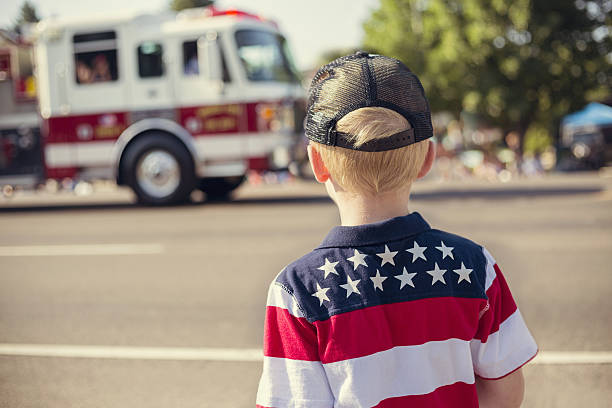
[(150, 60), (95, 57), (190, 59)]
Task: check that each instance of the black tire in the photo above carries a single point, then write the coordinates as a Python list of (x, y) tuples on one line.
[(220, 188), (153, 143)]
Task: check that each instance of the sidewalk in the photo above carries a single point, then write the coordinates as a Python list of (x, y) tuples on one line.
[(106, 193)]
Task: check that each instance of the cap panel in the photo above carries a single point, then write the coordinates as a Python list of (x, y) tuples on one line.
[(398, 86), (339, 84)]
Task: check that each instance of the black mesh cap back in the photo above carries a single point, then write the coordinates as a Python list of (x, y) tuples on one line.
[(363, 80)]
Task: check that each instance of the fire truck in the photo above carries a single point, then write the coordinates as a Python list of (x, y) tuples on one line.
[(165, 103)]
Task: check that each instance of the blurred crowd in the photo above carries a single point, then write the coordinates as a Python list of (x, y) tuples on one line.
[(487, 154)]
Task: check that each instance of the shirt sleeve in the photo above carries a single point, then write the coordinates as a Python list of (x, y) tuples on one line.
[(502, 343), (293, 375)]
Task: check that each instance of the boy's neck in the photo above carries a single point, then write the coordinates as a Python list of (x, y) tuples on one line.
[(358, 209)]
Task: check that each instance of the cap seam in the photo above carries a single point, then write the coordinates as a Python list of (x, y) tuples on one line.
[(372, 91)]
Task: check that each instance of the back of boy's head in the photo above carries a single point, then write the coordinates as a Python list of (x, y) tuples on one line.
[(368, 118)]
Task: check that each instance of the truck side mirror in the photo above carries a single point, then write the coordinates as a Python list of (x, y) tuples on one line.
[(209, 58)]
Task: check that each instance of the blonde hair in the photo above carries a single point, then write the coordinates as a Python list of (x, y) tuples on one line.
[(372, 173)]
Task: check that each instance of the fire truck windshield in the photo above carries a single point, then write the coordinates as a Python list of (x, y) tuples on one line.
[(265, 56)]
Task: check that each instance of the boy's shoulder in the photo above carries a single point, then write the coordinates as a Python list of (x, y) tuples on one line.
[(353, 271), (447, 244)]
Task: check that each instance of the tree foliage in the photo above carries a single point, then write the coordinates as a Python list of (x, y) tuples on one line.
[(27, 14), (514, 63), (178, 5)]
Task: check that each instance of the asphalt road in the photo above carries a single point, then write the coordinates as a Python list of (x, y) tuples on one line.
[(196, 276)]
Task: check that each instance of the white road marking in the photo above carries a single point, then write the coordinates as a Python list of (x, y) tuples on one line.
[(573, 357), (235, 354), (80, 250), (142, 353), (605, 195)]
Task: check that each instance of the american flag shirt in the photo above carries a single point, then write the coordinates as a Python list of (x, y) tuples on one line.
[(390, 314)]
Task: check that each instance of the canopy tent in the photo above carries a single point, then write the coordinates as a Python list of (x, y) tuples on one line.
[(588, 135), (594, 114)]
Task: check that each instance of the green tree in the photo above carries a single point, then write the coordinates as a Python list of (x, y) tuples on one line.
[(27, 14), (516, 64), (178, 5)]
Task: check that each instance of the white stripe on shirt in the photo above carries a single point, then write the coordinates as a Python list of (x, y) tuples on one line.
[(490, 270), (279, 297), (499, 355), (400, 371), (293, 383)]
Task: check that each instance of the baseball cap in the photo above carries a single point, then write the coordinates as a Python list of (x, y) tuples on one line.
[(364, 80)]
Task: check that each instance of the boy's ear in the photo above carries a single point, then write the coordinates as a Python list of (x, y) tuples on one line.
[(318, 167), (429, 159)]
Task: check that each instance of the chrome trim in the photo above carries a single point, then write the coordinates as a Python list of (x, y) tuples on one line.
[(158, 173)]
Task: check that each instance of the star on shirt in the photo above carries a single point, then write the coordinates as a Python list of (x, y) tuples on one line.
[(464, 273), (405, 278), (446, 251), (357, 259), (378, 280), (437, 274), (417, 252), (351, 286), (329, 267), (387, 256), (321, 294)]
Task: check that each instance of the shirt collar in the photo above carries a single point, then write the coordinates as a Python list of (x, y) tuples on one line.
[(382, 231)]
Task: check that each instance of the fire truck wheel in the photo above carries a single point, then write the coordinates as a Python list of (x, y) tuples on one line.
[(219, 188), (159, 169)]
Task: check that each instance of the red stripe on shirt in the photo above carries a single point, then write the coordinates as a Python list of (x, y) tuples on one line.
[(457, 395), (287, 336), (373, 329), (501, 306)]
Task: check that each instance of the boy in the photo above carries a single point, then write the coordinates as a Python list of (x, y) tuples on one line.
[(386, 312)]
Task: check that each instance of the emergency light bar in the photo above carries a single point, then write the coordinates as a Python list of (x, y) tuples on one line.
[(212, 11)]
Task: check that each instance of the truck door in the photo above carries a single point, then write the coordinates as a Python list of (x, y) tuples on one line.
[(211, 105), (193, 83)]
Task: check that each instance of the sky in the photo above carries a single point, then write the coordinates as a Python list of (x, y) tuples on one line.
[(311, 27)]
